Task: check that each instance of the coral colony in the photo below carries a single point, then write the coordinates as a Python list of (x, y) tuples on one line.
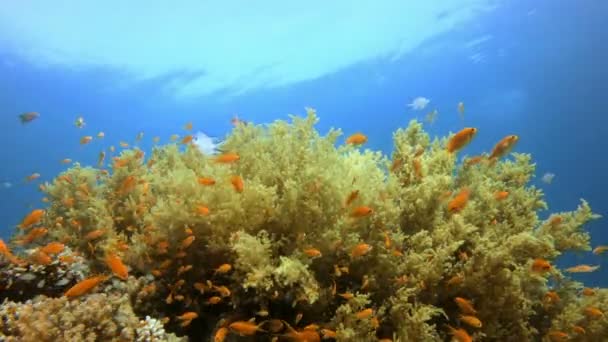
[(287, 235)]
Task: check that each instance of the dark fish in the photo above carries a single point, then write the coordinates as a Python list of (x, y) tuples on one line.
[(28, 117)]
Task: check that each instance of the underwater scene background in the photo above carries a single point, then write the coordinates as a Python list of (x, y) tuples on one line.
[(223, 215)]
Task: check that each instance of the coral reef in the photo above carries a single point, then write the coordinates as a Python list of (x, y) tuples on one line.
[(288, 234)]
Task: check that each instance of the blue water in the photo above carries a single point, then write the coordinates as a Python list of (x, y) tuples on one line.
[(542, 75)]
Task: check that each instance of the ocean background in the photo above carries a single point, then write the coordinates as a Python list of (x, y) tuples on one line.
[(538, 69)]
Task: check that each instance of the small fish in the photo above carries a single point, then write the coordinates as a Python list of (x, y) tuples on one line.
[(245, 328), (431, 117), (419, 103), (187, 242), (116, 266), (206, 181), (187, 318), (86, 139), (53, 248), (361, 211), (139, 136), (365, 313), (547, 178), (593, 312), (465, 306), (227, 158), (188, 126), (237, 183), (85, 286), (174, 137), (101, 135), (501, 195), (461, 139), (313, 252), (459, 202), (461, 109), (202, 210), (32, 177), (28, 117), (223, 268), (34, 217), (600, 249), (66, 161), (459, 334), (557, 336), (123, 144), (360, 250), (79, 122), (470, 320), (540, 265), (156, 140), (588, 292), (579, 330), (356, 139), (582, 268), (6, 185), (101, 158), (235, 121), (503, 147), (351, 197)]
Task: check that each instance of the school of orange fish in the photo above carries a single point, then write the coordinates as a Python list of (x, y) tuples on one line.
[(33, 230)]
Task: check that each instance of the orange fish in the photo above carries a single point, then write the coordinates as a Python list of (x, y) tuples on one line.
[(593, 312), (94, 234), (361, 211), (551, 298), (187, 139), (459, 201), (460, 334), (187, 242), (202, 210), (582, 268), (41, 258), (245, 328), (223, 268), (32, 218), (85, 140), (504, 146), (237, 183), (32, 177), (116, 265), (214, 300), (465, 305), (587, 291), (206, 181), (470, 320), (220, 334), (123, 144), (356, 139), (313, 252), (474, 160), (600, 249), (32, 235), (579, 330), (557, 336), (227, 158), (127, 185), (351, 197), (53, 248), (85, 286), (360, 250), (501, 195), (417, 168), (188, 126), (461, 139), (365, 313), (187, 318), (541, 265)]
